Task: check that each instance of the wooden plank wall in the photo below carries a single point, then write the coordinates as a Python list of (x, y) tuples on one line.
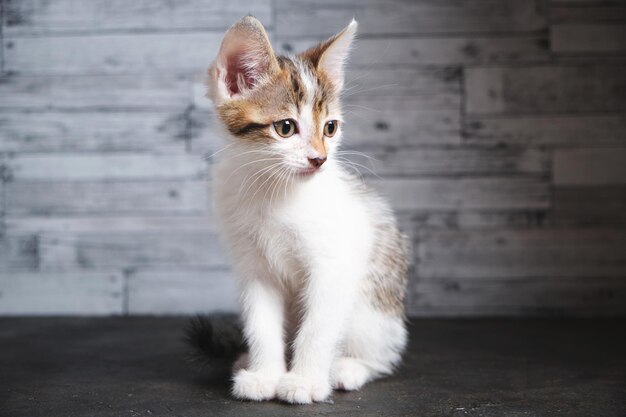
[(497, 129)]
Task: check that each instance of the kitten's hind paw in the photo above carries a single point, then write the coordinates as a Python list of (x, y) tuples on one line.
[(297, 389), (348, 374), (255, 386)]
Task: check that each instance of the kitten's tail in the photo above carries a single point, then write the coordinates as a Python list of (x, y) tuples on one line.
[(216, 337)]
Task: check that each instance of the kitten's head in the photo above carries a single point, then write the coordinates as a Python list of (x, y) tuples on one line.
[(286, 109)]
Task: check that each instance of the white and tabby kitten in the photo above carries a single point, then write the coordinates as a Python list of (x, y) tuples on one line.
[(321, 264)]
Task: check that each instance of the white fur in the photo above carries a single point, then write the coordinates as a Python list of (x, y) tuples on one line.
[(301, 247)]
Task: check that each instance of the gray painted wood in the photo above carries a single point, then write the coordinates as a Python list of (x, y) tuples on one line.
[(58, 131), (125, 250), (552, 130), (586, 38), (118, 224), (587, 11), (545, 89), (104, 166), (498, 129), (590, 206), (589, 167), (540, 297), (451, 161), (111, 53), (18, 251), (419, 50), (402, 82), (181, 291), (504, 255), (61, 293), (42, 17), (106, 198), (95, 93), (464, 193), (317, 17)]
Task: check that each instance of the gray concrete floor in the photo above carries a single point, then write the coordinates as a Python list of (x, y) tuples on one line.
[(136, 367)]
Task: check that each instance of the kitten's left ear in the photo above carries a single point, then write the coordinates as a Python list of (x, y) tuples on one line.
[(330, 56)]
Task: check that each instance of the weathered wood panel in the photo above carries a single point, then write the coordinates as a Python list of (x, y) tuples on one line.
[(548, 89), (402, 82), (59, 198), (61, 293), (402, 121), (44, 17), (505, 255), (589, 167), (92, 131), (95, 93), (112, 53), (587, 12), (126, 250), (104, 166), (181, 291), (450, 161), (94, 225), (464, 193), (415, 51), (318, 17), (510, 219), (590, 206), (586, 38), (18, 251), (416, 222), (558, 130), (537, 297)]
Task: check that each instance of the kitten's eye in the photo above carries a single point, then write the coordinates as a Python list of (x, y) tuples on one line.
[(285, 128), (330, 128)]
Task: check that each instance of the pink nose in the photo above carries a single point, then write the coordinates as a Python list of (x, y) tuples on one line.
[(317, 162)]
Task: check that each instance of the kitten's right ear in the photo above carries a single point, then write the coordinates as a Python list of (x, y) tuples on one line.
[(245, 60)]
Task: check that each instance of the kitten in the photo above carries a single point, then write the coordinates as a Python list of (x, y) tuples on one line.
[(321, 264)]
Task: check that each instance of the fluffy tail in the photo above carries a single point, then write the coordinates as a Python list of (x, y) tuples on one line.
[(218, 337)]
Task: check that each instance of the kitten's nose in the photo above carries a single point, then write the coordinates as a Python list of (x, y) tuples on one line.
[(317, 162)]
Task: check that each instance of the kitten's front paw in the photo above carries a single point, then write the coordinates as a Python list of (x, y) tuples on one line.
[(255, 386), (297, 389)]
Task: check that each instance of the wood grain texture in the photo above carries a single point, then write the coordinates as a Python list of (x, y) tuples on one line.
[(61, 293), (497, 129), (545, 89), (464, 193), (548, 130), (99, 166), (452, 161), (590, 206), (421, 51), (181, 291), (96, 224), (540, 297), (18, 251), (126, 250), (317, 17), (106, 198), (95, 93), (111, 53), (588, 38), (504, 255), (40, 17), (57, 131), (589, 167)]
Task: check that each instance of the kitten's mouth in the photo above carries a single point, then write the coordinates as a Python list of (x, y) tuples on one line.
[(307, 172)]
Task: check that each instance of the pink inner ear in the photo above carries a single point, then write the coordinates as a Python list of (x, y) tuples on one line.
[(236, 68)]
